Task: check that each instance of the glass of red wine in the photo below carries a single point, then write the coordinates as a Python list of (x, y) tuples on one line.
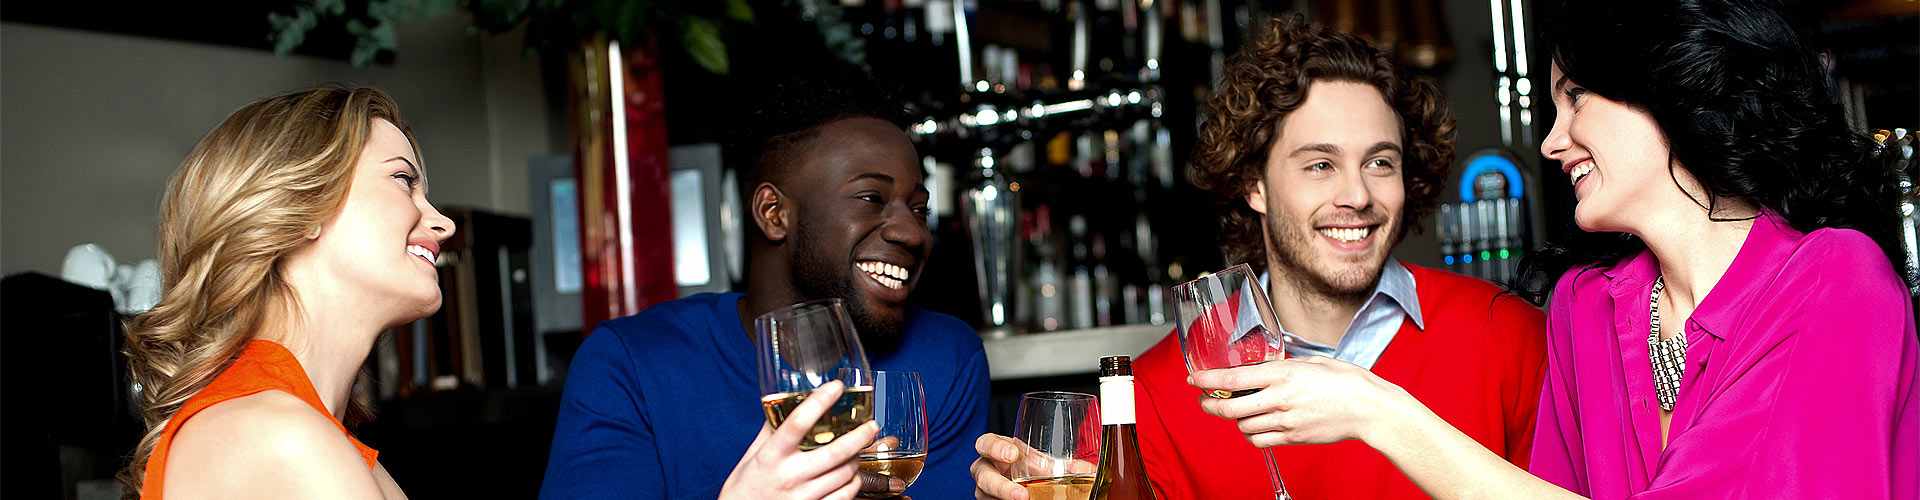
[(1224, 320)]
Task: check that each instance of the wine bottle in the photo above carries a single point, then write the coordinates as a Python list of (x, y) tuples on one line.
[(1122, 475)]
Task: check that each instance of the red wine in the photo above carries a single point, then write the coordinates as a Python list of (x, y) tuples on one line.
[(1226, 394)]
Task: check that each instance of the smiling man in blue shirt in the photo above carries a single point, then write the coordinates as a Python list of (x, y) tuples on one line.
[(663, 404)]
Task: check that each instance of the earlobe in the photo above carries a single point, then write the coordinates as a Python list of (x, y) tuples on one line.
[(768, 210), (313, 233), (1257, 197)]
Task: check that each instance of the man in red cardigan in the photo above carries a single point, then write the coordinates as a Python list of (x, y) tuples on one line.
[(1322, 152)]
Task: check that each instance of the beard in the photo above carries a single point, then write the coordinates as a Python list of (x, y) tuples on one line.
[(1291, 246), (817, 276)]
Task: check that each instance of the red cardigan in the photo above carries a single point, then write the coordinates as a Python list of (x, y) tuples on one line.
[(1478, 364)]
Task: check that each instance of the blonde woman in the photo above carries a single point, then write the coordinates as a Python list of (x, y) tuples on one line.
[(293, 234)]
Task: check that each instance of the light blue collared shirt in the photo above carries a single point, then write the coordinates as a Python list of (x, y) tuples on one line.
[(1373, 326)]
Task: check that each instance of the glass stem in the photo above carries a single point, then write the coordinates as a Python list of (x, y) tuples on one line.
[(1273, 477)]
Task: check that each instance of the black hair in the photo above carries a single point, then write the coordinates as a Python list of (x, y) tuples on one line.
[(783, 105), (1746, 107)]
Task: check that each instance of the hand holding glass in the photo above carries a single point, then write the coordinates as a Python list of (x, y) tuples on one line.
[(1061, 431), (804, 346), (1224, 320)]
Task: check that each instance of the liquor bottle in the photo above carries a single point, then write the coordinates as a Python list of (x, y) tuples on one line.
[(1080, 296), (1122, 475), (1049, 296), (1105, 287)]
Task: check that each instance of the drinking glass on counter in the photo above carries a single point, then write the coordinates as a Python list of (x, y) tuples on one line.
[(1224, 320), (803, 347), (1061, 431)]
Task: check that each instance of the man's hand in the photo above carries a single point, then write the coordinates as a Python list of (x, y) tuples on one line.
[(774, 466), (1002, 458)]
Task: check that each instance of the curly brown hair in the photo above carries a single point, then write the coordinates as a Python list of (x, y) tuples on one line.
[(1268, 79)]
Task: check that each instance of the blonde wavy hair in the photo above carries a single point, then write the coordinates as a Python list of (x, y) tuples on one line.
[(252, 191)]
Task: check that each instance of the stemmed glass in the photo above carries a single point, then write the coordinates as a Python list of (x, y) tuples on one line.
[(803, 347), (1224, 320)]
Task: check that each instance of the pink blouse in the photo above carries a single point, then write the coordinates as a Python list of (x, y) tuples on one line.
[(1801, 371)]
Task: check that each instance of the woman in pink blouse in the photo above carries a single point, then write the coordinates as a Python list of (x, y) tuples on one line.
[(1730, 323)]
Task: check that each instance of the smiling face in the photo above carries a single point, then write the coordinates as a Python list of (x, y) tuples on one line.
[(1615, 156), (860, 222), (1332, 191), (382, 244)]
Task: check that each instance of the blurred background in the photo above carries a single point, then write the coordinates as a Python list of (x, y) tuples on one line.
[(575, 143)]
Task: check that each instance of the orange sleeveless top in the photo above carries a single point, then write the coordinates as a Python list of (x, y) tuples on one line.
[(262, 366)]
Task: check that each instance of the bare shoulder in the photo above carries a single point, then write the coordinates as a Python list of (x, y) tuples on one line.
[(269, 444)]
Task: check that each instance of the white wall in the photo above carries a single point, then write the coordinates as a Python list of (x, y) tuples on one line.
[(92, 124)]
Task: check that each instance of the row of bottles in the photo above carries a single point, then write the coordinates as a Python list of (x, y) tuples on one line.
[(1019, 47), (1091, 255), (1043, 121), (1485, 234)]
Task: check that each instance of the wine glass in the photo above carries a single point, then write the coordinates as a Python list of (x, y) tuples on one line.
[(1224, 320), (900, 407), (1061, 431), (804, 346)]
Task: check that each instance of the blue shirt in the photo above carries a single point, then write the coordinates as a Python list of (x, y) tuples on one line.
[(663, 404), (1373, 326)]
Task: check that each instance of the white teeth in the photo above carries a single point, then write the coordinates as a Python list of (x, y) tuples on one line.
[(1347, 234), (888, 275), (420, 251), (1581, 171)]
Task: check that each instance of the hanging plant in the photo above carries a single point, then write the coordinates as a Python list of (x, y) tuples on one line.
[(551, 25)]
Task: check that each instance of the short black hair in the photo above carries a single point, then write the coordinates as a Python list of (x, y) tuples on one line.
[(783, 106)]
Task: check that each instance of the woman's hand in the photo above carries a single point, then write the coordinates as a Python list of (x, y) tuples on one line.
[(1308, 400), (774, 466)]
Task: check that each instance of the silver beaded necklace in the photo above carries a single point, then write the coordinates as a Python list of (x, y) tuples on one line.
[(1669, 356)]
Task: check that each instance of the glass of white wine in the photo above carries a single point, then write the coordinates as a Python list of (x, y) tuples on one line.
[(804, 346), (1224, 320), (900, 407), (1061, 431)]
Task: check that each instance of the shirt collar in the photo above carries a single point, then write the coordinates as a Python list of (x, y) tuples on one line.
[(1396, 288), (1768, 245), (1761, 256)]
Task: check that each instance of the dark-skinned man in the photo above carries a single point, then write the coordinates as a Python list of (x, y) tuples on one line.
[(663, 404)]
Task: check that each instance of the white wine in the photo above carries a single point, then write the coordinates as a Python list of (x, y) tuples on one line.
[(1074, 487), (1122, 474), (904, 466), (855, 407)]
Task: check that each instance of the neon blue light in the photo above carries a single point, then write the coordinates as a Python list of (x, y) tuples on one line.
[(1487, 161)]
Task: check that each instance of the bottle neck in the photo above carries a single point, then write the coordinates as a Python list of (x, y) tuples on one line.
[(1116, 400)]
